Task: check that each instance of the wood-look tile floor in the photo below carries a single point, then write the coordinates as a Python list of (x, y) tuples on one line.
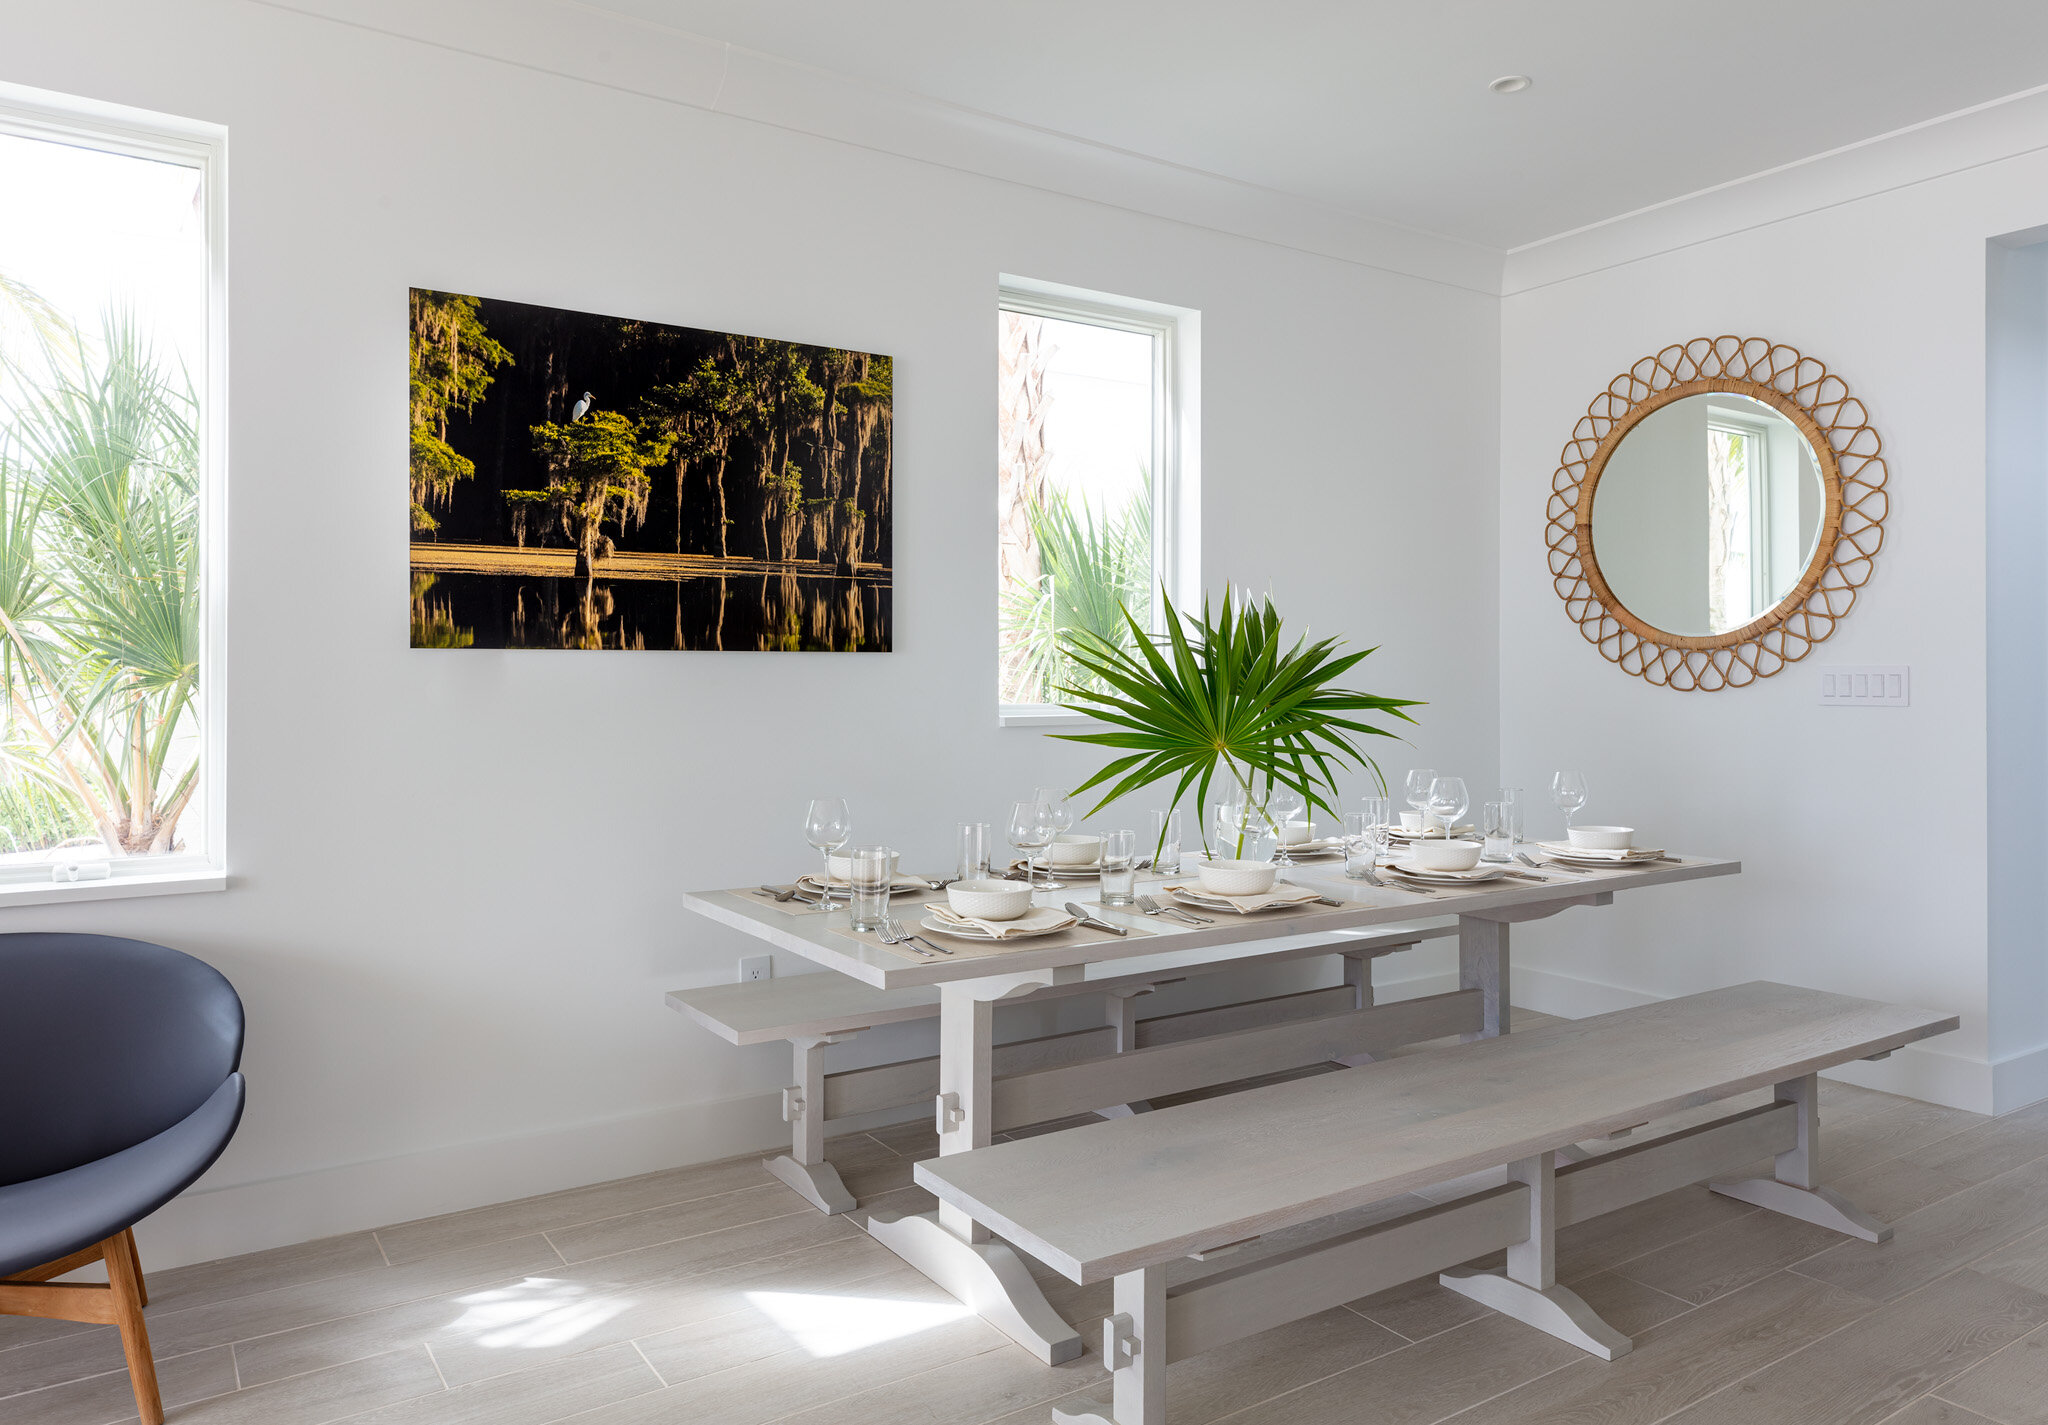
[(712, 1295)]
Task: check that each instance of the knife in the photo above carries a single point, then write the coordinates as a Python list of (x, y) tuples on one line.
[(1089, 920)]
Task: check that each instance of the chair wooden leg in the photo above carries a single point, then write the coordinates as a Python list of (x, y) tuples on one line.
[(141, 1286), (124, 1275)]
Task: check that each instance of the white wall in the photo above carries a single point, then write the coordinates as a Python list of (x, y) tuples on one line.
[(453, 909), (1863, 832)]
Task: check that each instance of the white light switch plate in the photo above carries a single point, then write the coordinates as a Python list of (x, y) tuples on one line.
[(757, 967), (1889, 686)]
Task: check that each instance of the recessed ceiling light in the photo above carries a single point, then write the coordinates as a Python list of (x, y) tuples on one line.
[(1510, 84)]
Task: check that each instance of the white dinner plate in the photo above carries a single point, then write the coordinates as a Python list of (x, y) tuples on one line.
[(1565, 851), (965, 932), (1448, 878), (1201, 901)]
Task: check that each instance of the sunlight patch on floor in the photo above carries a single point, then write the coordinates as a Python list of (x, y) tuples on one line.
[(535, 1313), (834, 1325)]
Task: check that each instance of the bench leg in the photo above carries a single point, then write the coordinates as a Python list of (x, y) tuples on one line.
[(1795, 1189), (803, 1105), (1528, 1290), (1121, 1010), (1483, 966), (949, 1246), (1134, 1347), (1358, 975)]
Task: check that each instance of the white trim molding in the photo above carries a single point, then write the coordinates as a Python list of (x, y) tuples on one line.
[(592, 45)]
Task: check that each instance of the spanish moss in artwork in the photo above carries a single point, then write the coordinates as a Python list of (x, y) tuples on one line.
[(592, 482)]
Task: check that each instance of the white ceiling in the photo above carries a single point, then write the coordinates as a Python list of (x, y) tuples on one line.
[(1380, 107)]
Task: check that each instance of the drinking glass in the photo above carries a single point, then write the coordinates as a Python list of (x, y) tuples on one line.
[(870, 877), (1063, 820), (1166, 841), (1568, 792), (1448, 800), (1230, 829), (1497, 826), (1513, 797), (1358, 842), (1032, 828), (1418, 793), (827, 825), (1377, 811), (973, 839), (1119, 868), (1284, 805)]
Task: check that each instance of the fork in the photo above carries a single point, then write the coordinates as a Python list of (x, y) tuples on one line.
[(891, 933), (1372, 878), (1152, 906), (1527, 860), (916, 942)]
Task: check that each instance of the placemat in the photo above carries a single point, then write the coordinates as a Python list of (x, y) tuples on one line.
[(982, 949), (754, 895)]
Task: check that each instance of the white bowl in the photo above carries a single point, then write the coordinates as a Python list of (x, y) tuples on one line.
[(1411, 822), (1074, 848), (1445, 855), (1603, 838), (1237, 878), (989, 900), (842, 866), (1297, 833)]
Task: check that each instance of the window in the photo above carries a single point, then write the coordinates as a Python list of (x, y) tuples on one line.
[(1736, 461), (110, 501), (1096, 488)]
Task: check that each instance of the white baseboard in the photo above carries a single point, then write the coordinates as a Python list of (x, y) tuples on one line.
[(232, 1218), (1921, 1071)]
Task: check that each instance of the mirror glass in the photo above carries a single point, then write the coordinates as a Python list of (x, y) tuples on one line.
[(1707, 513)]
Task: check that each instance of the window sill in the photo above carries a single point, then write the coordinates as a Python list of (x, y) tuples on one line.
[(162, 883), (1042, 715)]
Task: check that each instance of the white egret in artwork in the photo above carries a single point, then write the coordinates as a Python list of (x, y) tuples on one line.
[(581, 408)]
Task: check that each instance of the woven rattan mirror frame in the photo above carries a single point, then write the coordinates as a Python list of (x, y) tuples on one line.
[(1852, 470)]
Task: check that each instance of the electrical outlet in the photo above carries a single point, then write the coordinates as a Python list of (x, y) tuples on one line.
[(1868, 687), (756, 967)]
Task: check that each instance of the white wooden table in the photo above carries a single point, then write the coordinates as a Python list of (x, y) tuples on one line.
[(954, 1250)]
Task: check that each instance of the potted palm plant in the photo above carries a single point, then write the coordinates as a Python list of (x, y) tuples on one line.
[(1223, 698)]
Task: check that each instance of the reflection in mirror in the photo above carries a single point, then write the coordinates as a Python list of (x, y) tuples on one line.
[(1707, 514)]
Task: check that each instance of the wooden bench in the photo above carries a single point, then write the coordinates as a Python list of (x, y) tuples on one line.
[(1125, 1198), (813, 1011)]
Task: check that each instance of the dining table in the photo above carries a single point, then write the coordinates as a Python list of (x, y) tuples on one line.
[(957, 1252)]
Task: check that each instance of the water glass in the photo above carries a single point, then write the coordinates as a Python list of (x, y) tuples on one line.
[(1166, 841), (1119, 868), (1359, 850), (1514, 798), (1497, 827), (974, 848), (871, 877)]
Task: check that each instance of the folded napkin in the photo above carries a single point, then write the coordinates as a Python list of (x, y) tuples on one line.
[(900, 883), (1595, 853), (1280, 895), (1037, 920)]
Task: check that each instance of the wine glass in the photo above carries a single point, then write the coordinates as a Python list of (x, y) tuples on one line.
[(1032, 828), (1568, 793), (1448, 800), (1062, 820), (1283, 805), (1418, 782), (827, 826)]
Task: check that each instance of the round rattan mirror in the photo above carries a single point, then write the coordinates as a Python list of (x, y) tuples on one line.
[(1715, 512)]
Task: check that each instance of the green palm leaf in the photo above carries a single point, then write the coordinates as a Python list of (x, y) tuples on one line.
[(1224, 697)]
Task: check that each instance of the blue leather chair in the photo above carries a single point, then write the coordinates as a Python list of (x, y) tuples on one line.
[(118, 1060)]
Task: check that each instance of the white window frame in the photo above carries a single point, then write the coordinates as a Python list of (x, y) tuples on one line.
[(140, 133), (1756, 474), (1176, 440)]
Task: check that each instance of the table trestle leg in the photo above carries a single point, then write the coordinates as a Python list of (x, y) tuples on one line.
[(1795, 1189), (1528, 1290), (804, 1167), (1134, 1347), (949, 1246)]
